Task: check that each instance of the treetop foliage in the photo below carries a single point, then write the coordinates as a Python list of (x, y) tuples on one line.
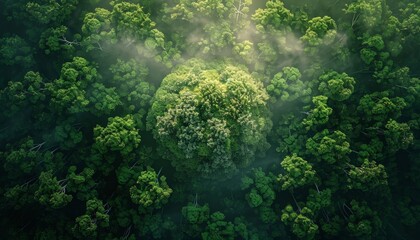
[(209, 119)]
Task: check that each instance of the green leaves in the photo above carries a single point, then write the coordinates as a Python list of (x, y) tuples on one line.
[(81, 184), (105, 100), (218, 228), (28, 92), (129, 79), (274, 16), (97, 29), (86, 225), (321, 30), (50, 11), (79, 79), (54, 39), (260, 193), (363, 221), (302, 224), (366, 13), (151, 191), (204, 112), (126, 27), (68, 93), (379, 107), (66, 135), (119, 135), (298, 173), (329, 147), (23, 159), (376, 42), (398, 135), (319, 114), (196, 214), (51, 192), (287, 86), (208, 26), (337, 86), (15, 50), (368, 176), (131, 21)]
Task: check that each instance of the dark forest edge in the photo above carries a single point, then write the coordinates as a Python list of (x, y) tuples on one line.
[(209, 119)]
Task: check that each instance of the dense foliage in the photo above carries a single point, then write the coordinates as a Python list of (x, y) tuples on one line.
[(209, 119)]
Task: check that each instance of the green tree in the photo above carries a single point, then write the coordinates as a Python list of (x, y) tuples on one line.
[(129, 79), (68, 93), (96, 215), (398, 135), (260, 194), (55, 40), (52, 192), (213, 23), (336, 86), (411, 21), (367, 177), (104, 100), (131, 21), (366, 13), (196, 216), (28, 92), (50, 11), (287, 86), (19, 196), (211, 117), (318, 200), (65, 136), (301, 223), (151, 191), (319, 114), (274, 16), (363, 223), (330, 147), (379, 107), (298, 173), (120, 135), (97, 30), (320, 31), (218, 228), (27, 158), (15, 50), (81, 184), (291, 133)]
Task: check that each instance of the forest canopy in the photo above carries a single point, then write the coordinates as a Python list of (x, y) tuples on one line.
[(209, 119)]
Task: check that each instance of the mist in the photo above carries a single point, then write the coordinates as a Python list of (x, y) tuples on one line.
[(204, 119)]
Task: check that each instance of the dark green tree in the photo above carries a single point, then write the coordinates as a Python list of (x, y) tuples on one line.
[(260, 194), (96, 216), (218, 228), (52, 192), (15, 50)]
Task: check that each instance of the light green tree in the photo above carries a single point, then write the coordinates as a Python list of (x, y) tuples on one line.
[(211, 117), (119, 135), (298, 173), (336, 86), (150, 191)]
